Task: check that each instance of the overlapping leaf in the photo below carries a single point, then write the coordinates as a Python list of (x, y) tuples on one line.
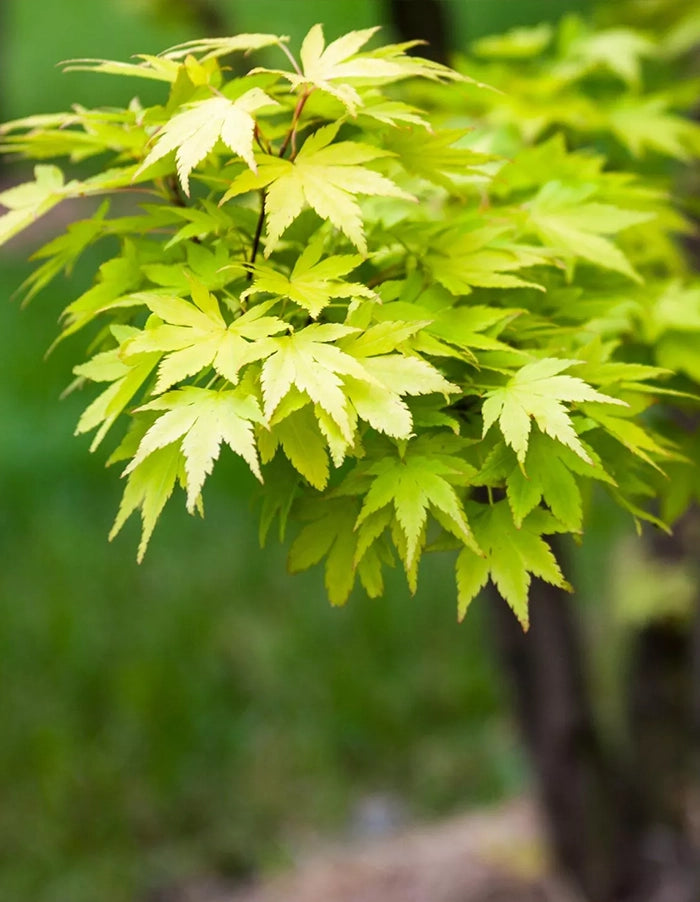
[(194, 335), (334, 67), (200, 420), (194, 132), (511, 557), (325, 176), (414, 484), (538, 391), (313, 282)]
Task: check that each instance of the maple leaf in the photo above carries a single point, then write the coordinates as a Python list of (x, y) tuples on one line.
[(641, 442), (549, 475), (323, 176), (126, 379), (390, 112), (307, 360), (433, 155), (25, 203), (467, 327), (313, 281), (193, 336), (511, 555), (211, 48), (330, 534), (297, 432), (537, 391), (154, 68), (378, 397), (414, 484), (331, 68), (148, 487), (61, 253), (566, 221), (194, 131), (649, 123), (617, 49), (461, 259), (515, 44), (200, 420)]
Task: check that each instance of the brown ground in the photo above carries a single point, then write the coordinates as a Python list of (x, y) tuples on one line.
[(492, 856)]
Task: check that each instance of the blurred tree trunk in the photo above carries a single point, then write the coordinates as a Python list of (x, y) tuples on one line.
[(586, 802), (422, 20), (618, 821)]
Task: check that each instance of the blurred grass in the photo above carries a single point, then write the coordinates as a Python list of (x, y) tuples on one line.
[(203, 710)]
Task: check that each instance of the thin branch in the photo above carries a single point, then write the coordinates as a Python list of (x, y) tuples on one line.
[(292, 133), (390, 272), (258, 235), (175, 191)]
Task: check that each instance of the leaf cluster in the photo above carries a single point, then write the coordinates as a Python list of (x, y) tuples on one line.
[(413, 340)]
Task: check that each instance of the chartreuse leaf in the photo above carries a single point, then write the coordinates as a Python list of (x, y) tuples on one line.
[(323, 176), (617, 49), (641, 442), (473, 327), (308, 360), (212, 48), (61, 253), (567, 221), (549, 475), (333, 68), (126, 379), (330, 534), (151, 67), (303, 444), (194, 335), (414, 484), (313, 282), (148, 487), (537, 391), (194, 131), (432, 155), (346, 385), (200, 420), (512, 556), (27, 202), (649, 124), (462, 259), (377, 398), (516, 44)]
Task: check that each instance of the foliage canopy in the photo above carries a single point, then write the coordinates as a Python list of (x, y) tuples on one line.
[(420, 315)]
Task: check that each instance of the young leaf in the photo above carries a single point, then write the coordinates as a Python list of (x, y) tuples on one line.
[(194, 132), (431, 155), (330, 534), (333, 68), (313, 282), (307, 360), (512, 556), (212, 48), (26, 203), (298, 434), (566, 221), (200, 420), (148, 487), (413, 485), (325, 177), (537, 391), (194, 336)]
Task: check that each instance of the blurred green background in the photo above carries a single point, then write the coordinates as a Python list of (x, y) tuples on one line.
[(202, 712)]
